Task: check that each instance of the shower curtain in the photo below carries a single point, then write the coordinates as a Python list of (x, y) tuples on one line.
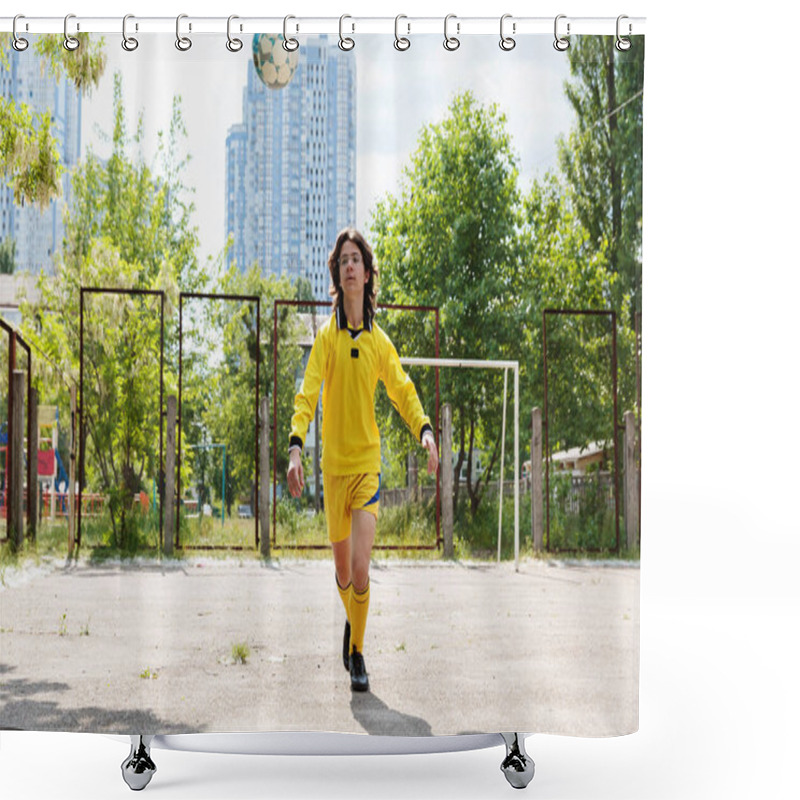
[(169, 243)]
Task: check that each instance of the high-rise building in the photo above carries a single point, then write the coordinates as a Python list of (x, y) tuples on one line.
[(291, 167), (38, 233)]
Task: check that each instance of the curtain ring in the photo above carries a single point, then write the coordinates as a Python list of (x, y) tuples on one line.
[(506, 42), (129, 43), (19, 44), (183, 43), (70, 42), (401, 42), (561, 43), (623, 43), (289, 43), (345, 43), (233, 45), (451, 43)]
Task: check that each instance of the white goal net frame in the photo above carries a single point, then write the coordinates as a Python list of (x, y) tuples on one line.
[(505, 366)]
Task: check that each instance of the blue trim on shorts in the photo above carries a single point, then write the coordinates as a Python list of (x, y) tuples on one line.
[(377, 496)]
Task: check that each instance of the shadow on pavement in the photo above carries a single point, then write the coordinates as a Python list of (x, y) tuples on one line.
[(378, 719), (19, 710)]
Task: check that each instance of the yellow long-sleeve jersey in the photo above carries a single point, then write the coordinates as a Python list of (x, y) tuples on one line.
[(347, 364)]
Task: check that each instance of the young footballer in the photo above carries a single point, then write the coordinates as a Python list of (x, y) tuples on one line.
[(350, 354)]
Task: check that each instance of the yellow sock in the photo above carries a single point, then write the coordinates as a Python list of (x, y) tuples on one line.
[(359, 608), (346, 594)]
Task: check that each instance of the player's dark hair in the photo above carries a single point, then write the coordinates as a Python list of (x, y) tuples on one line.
[(370, 287)]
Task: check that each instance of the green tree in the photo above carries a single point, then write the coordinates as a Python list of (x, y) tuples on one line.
[(570, 271), (8, 256), (565, 268), (448, 238), (29, 160), (229, 416), (128, 228), (602, 156)]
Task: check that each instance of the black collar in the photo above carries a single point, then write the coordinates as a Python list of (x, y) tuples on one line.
[(341, 319)]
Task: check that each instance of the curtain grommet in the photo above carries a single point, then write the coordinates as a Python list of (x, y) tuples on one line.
[(561, 43), (183, 43), (507, 43), (289, 43), (71, 43), (451, 43), (233, 44), (129, 43), (345, 42), (401, 43), (18, 43), (623, 43)]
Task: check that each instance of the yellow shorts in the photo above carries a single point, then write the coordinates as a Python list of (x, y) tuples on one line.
[(345, 494)]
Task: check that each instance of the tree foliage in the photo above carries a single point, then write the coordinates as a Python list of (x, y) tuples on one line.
[(8, 256), (128, 228), (459, 235), (564, 268), (448, 239), (226, 413), (29, 159), (601, 158)]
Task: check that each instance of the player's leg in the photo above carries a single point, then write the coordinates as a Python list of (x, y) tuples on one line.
[(342, 561), (337, 517), (362, 538)]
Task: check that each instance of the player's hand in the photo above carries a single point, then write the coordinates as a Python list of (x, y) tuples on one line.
[(429, 443), (295, 474)]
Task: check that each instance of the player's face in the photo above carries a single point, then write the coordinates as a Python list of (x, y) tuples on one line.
[(352, 273)]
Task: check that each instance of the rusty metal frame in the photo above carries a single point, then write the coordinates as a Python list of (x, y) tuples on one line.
[(14, 338), (81, 432), (274, 423), (225, 297), (545, 422)]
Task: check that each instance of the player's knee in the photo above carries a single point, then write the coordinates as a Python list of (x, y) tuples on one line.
[(360, 575)]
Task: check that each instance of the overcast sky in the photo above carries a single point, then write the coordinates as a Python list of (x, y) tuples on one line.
[(398, 92)]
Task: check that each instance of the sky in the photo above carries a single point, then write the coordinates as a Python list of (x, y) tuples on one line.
[(526, 83)]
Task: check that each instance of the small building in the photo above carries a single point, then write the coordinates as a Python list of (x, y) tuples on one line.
[(575, 460)]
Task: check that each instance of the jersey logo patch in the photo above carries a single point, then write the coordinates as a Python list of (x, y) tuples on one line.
[(354, 352)]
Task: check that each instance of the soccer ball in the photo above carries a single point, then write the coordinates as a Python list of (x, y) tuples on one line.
[(274, 65)]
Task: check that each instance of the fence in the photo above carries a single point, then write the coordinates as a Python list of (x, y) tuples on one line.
[(580, 486), (92, 504), (426, 494)]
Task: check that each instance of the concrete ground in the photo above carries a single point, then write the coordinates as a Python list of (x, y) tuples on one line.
[(450, 648)]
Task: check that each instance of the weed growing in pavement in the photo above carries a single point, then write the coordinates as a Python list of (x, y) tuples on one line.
[(240, 653)]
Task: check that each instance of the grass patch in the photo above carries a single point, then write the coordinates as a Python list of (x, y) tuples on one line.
[(400, 532), (51, 540), (240, 653), (202, 532)]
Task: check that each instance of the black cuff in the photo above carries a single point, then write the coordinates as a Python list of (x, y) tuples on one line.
[(296, 441), (425, 427)]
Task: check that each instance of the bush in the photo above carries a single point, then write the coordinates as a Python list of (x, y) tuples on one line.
[(477, 536), (580, 520)]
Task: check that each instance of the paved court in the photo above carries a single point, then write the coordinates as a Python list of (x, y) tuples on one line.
[(450, 648)]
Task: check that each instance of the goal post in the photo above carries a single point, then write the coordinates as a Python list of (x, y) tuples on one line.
[(480, 364)]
